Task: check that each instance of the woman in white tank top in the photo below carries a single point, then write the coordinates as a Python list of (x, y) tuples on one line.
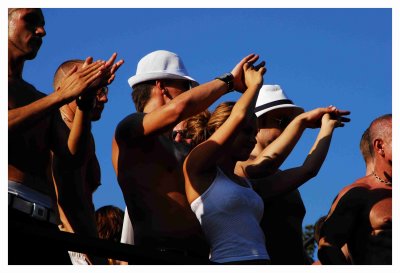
[(227, 207)]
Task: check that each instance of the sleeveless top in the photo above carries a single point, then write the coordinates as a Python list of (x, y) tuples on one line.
[(230, 216)]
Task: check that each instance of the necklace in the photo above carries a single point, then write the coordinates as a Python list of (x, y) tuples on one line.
[(382, 180)]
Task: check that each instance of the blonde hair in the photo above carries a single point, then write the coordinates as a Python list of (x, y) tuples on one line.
[(201, 126)]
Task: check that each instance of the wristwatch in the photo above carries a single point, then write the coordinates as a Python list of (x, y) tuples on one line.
[(85, 104), (228, 79)]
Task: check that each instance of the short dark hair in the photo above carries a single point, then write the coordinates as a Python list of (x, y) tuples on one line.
[(141, 94), (365, 147)]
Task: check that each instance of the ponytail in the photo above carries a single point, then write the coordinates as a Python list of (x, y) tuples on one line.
[(201, 126)]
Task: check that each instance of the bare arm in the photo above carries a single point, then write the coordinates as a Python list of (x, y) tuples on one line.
[(269, 160), (338, 226), (205, 156), (81, 126), (290, 179), (181, 107), (21, 117)]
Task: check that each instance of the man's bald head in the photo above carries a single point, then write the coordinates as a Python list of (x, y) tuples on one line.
[(380, 128)]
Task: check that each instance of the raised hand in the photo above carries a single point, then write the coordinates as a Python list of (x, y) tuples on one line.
[(312, 119), (77, 81), (333, 120), (109, 72), (238, 72), (253, 75), (113, 67)]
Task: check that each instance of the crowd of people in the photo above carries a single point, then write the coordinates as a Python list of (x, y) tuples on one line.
[(200, 184)]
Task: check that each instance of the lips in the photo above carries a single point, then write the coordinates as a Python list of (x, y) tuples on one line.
[(99, 108), (35, 41)]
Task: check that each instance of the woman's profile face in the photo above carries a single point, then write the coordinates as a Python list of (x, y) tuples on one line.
[(245, 140)]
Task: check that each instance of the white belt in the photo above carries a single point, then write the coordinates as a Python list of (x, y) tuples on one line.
[(34, 210)]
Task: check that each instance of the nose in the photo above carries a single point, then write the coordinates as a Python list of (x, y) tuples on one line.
[(104, 99), (40, 31), (178, 137)]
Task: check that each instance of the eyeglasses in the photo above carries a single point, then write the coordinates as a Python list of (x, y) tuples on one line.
[(283, 122), (188, 85), (102, 92), (182, 133)]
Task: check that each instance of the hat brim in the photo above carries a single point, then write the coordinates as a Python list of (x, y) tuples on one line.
[(295, 108), (136, 79)]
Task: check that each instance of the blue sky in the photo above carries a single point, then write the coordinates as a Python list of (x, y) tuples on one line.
[(318, 56)]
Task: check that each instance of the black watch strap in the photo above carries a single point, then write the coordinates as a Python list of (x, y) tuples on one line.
[(228, 79), (85, 104)]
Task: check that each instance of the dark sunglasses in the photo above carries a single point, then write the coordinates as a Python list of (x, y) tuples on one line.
[(283, 122), (182, 133), (102, 92), (188, 85)]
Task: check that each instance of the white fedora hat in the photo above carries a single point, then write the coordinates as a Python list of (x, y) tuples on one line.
[(159, 65), (272, 97)]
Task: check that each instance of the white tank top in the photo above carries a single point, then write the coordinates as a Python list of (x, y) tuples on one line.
[(230, 216)]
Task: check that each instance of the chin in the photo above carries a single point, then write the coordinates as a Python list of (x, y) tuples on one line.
[(31, 55), (95, 117)]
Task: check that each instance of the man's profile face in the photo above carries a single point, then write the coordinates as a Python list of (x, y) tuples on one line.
[(25, 32), (101, 99)]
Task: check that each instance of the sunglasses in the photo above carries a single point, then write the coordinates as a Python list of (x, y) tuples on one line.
[(283, 122), (102, 92), (182, 133), (188, 85)]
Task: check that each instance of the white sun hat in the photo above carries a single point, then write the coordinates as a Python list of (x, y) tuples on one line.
[(272, 97), (159, 65)]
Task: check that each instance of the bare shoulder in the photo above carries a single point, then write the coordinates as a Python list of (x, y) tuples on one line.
[(21, 93), (129, 129), (353, 194)]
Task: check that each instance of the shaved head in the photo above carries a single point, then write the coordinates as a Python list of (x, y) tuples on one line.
[(63, 70)]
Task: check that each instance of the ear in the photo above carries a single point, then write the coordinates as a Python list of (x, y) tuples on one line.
[(160, 85), (379, 147)]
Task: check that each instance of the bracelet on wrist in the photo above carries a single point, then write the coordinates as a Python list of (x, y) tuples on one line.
[(228, 79)]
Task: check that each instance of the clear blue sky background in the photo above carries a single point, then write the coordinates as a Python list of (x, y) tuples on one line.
[(318, 56)]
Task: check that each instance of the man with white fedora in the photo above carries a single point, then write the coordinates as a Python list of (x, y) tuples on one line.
[(281, 124), (147, 161)]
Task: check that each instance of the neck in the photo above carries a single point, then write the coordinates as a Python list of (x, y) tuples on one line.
[(383, 175), (383, 169), (67, 115), (257, 150), (15, 66)]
